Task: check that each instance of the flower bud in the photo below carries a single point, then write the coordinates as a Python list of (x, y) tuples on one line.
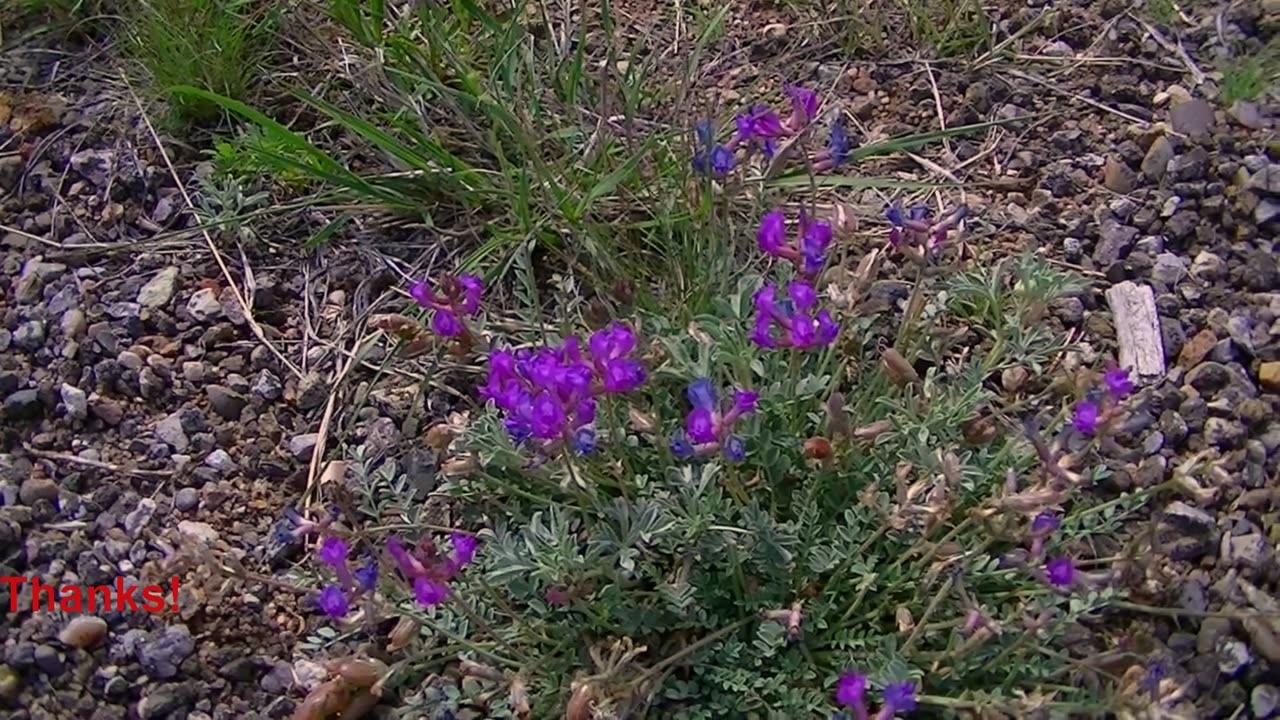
[(404, 633), (1014, 378)]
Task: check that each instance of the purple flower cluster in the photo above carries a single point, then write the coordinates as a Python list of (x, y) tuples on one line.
[(550, 394), (430, 571), (809, 249), (851, 690), (454, 299), (1089, 413), (790, 322), (707, 428), (912, 231), (760, 128), (335, 600)]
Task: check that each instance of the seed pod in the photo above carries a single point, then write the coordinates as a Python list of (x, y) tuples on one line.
[(642, 422), (581, 702), (844, 221), (518, 698), (439, 436), (1014, 378), (404, 633), (980, 430), (325, 701), (817, 448), (459, 466), (362, 672), (360, 705), (868, 433), (898, 369), (477, 670), (837, 418), (906, 623)]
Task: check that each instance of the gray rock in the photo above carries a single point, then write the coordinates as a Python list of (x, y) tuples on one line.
[(1266, 180), (29, 335), (1156, 161), (1192, 596), (193, 371), (1115, 240), (1070, 309), (1233, 656), (75, 400), (1168, 269), (1192, 117), (6, 339), (169, 430), (162, 653), (1247, 114), (186, 499), (167, 700), (23, 405), (313, 390), (73, 323), (94, 165), (37, 488), (1189, 166), (49, 661), (1208, 267), (219, 460), (124, 310), (267, 386), (278, 680), (1150, 244), (1266, 211), (226, 402), (300, 446), (1264, 700), (159, 290), (140, 516), (198, 531), (1073, 249), (1223, 433), (64, 300), (1244, 550), (151, 384), (204, 306), (107, 410), (1190, 517)]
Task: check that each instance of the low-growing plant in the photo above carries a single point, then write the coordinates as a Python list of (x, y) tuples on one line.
[(215, 45), (1249, 76), (764, 512)]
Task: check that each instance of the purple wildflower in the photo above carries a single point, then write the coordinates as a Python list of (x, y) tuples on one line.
[(333, 552), (1061, 571), (1085, 417), (706, 423), (428, 592), (898, 697), (445, 323), (798, 328), (735, 449), (455, 298), (680, 445), (333, 602), (804, 107), (584, 440), (851, 690), (773, 233), (838, 145), (1045, 523), (464, 548), (807, 252), (1119, 385), (367, 576), (702, 394)]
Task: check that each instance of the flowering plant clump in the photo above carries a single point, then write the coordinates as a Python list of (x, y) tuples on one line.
[(667, 534), (914, 235)]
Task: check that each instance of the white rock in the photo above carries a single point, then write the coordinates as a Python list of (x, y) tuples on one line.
[(159, 290), (204, 305), (76, 401)]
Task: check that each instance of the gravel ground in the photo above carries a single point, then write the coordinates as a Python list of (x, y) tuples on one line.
[(143, 418)]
